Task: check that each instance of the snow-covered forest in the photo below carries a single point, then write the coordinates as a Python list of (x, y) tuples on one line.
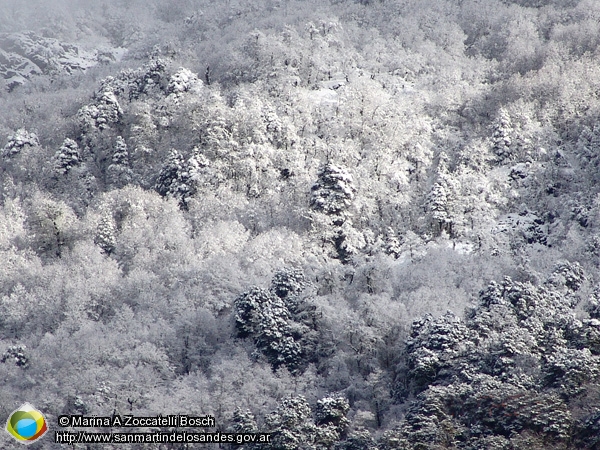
[(355, 225)]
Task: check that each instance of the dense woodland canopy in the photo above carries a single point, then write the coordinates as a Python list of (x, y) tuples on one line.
[(356, 225)]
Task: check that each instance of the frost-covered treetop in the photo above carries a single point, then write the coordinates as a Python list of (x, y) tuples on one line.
[(334, 190), (18, 141), (183, 80)]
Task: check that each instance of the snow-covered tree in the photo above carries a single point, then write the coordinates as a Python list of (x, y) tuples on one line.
[(288, 283), (507, 369), (148, 80), (393, 243), (588, 144), (169, 178), (51, 226), (360, 439), (333, 192), (102, 113), (105, 234), (331, 411), (433, 346), (20, 139), (179, 178), (332, 197), (281, 324), (249, 306), (17, 354), (568, 274), (263, 316), (195, 174), (502, 136), (292, 426), (67, 157), (243, 422), (438, 201), (119, 171), (183, 80), (348, 241)]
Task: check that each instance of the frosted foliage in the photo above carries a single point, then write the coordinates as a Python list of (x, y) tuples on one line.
[(67, 157), (263, 316), (183, 80), (119, 172), (180, 178), (291, 426), (102, 113), (334, 191), (105, 234), (502, 135), (393, 243), (16, 354), (277, 320), (332, 411), (487, 370), (588, 145), (243, 422), (438, 203), (18, 141), (288, 282)]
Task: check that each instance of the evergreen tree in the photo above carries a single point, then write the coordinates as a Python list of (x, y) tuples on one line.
[(502, 135), (102, 113), (348, 241), (288, 283), (331, 412), (183, 80), (168, 181), (16, 354), (588, 144), (568, 274), (105, 234), (437, 202), (442, 199), (180, 178), (358, 440), (67, 157), (392, 243), (507, 370), (433, 346), (291, 426), (282, 326), (263, 316), (333, 192), (16, 142), (332, 196), (119, 171), (147, 80), (192, 176), (243, 422)]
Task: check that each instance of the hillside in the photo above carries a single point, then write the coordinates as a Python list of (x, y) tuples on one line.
[(353, 225)]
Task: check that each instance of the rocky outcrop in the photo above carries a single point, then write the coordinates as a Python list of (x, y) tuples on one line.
[(24, 56)]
